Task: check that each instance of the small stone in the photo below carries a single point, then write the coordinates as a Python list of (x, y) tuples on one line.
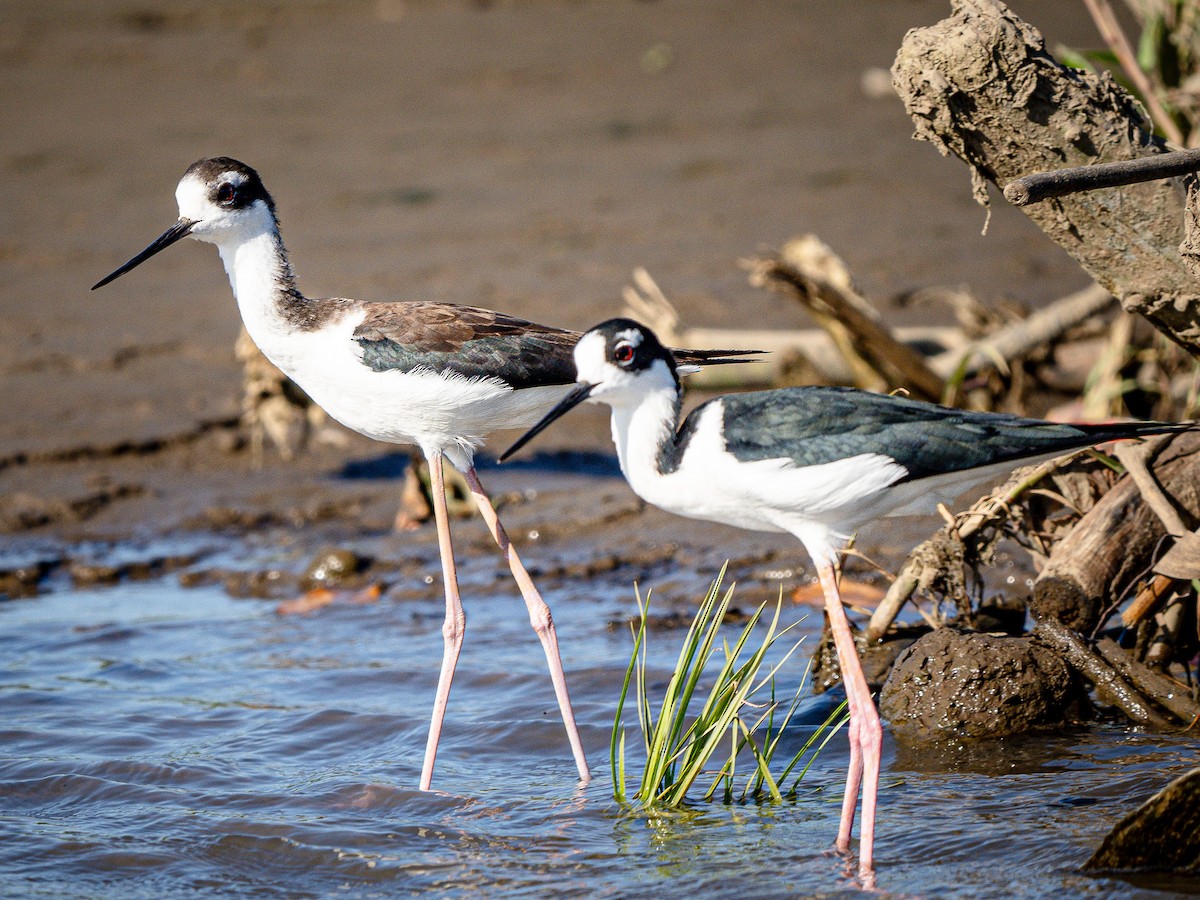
[(23, 580), (268, 584), (89, 574), (332, 567)]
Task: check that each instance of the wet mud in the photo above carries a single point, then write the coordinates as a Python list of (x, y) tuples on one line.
[(558, 146)]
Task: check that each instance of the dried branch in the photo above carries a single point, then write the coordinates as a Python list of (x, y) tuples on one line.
[(1147, 600), (990, 512), (1111, 687), (1059, 182), (1135, 456), (1043, 327), (845, 315), (1091, 568)]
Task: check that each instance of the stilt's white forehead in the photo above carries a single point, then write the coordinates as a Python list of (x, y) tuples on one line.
[(192, 197), (192, 193), (590, 361)]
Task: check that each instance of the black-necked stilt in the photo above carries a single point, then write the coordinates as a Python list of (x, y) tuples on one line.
[(432, 374), (815, 462)]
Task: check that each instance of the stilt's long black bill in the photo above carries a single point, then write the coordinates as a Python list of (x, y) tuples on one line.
[(567, 403), (179, 230)]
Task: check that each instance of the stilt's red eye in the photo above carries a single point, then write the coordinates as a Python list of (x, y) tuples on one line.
[(623, 353), (225, 192)]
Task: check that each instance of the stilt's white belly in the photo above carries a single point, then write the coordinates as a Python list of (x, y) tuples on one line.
[(434, 411), (819, 504)]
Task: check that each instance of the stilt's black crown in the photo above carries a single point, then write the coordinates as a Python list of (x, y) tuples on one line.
[(230, 193), (632, 346)]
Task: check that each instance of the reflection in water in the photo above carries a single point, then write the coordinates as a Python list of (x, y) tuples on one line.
[(1019, 754), (203, 743)]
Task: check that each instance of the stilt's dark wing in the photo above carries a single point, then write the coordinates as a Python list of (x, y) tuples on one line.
[(481, 343), (466, 341), (819, 425)]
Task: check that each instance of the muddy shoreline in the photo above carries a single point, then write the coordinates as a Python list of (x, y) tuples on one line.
[(522, 155)]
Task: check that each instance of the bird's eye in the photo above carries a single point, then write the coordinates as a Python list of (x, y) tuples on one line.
[(225, 192), (623, 353)]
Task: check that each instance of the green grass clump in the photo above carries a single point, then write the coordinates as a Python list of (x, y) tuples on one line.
[(680, 745)]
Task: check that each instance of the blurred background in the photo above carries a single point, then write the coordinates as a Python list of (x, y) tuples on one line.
[(523, 155)]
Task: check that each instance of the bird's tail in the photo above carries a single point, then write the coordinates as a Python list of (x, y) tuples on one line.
[(1116, 431), (714, 357)]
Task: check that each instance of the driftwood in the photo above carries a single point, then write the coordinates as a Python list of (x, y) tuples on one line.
[(981, 85), (1110, 686), (1137, 458), (1043, 327), (968, 535), (810, 272), (646, 302), (831, 350), (1169, 694), (1141, 693), (1114, 543), (879, 359)]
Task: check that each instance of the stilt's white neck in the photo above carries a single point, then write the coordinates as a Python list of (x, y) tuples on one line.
[(273, 310), (258, 270), (641, 429), (276, 315)]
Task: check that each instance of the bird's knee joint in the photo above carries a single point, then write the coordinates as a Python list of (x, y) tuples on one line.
[(542, 622), (454, 628), (871, 731)]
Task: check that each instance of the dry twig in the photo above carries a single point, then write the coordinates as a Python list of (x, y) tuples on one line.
[(1072, 180)]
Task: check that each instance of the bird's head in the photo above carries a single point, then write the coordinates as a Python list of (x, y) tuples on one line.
[(221, 201), (619, 362)]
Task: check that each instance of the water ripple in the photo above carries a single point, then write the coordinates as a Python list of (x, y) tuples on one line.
[(205, 745)]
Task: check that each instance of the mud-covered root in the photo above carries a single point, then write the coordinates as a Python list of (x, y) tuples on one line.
[(981, 85)]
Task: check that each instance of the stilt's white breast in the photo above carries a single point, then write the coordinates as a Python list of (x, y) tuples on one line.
[(820, 504), (436, 411), (771, 494)]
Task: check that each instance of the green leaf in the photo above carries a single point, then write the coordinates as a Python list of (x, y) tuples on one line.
[(681, 743)]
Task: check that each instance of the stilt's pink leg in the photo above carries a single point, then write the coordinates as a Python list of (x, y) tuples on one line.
[(539, 617), (853, 781), (866, 731), (456, 620)]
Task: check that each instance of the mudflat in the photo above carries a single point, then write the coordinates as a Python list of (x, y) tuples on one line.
[(523, 155)]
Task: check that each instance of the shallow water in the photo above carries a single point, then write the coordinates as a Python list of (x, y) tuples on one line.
[(164, 741)]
